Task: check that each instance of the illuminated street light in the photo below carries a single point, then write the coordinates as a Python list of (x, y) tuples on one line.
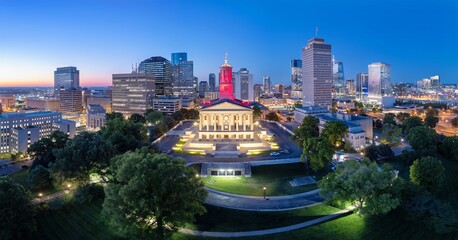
[(264, 188), (40, 195), (197, 175)]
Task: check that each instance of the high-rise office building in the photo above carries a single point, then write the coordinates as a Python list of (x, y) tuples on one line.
[(379, 84), (66, 78), (362, 80), (71, 101), (161, 69), (338, 77), (133, 92), (296, 78), (435, 81), (183, 79), (243, 85), (257, 91), (317, 73), (267, 84), (211, 82), (203, 88), (179, 57), (279, 88), (350, 86)]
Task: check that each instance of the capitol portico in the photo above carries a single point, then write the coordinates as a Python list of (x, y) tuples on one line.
[(226, 120)]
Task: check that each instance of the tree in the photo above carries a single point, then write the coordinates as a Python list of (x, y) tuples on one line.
[(431, 121), (137, 118), (390, 134), (455, 122), (158, 194), (86, 154), (308, 129), (402, 116), (371, 152), (42, 150), (389, 118), (153, 117), (39, 178), (114, 115), (317, 152), (449, 148), (432, 112), (384, 150), (192, 114), (123, 135), (428, 173), (334, 131), (16, 211), (272, 116), (423, 140), (411, 122), (371, 189), (257, 113)]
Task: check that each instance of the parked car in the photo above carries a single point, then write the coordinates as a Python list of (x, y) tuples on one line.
[(274, 154)]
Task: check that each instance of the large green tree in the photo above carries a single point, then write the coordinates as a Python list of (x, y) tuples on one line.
[(272, 116), (123, 135), (449, 148), (370, 189), (428, 173), (431, 121), (137, 118), (153, 117), (39, 178), (257, 113), (86, 154), (390, 134), (317, 152), (152, 195), (389, 118), (16, 212), (402, 116), (114, 115), (42, 150), (308, 129), (412, 122), (334, 131), (423, 140)]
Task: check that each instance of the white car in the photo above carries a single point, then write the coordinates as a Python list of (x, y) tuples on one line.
[(274, 154)]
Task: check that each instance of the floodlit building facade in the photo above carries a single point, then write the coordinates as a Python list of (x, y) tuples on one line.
[(133, 93)]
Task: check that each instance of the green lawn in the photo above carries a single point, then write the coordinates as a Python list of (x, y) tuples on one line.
[(223, 219), (74, 222), (275, 178)]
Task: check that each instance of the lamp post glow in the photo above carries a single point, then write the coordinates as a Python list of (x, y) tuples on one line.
[(40, 195), (264, 188)]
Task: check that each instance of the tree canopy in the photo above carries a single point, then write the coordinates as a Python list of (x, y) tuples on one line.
[(123, 135), (42, 150), (390, 134), (152, 195), (308, 129), (153, 117), (334, 131), (454, 122), (412, 122), (428, 173), (39, 178), (137, 118), (272, 116), (257, 113), (318, 152), (87, 153), (16, 211), (402, 116), (431, 121), (449, 148), (423, 140), (114, 115), (371, 189), (389, 118)]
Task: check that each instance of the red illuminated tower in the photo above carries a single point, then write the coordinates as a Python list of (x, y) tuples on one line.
[(225, 81)]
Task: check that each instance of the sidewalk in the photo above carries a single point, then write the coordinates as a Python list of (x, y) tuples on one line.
[(266, 231)]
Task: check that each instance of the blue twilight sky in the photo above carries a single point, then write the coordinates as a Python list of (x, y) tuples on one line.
[(102, 37)]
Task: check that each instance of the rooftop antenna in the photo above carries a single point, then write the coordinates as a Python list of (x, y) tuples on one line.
[(132, 68), (316, 31), (136, 68)]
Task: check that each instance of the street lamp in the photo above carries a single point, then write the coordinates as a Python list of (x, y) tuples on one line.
[(197, 175), (264, 188), (40, 195)]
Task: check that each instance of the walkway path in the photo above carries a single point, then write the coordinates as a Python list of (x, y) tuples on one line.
[(251, 203), (266, 231)]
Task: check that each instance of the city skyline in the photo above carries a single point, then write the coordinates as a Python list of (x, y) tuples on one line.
[(263, 38)]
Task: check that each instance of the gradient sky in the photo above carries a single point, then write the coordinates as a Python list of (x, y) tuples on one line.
[(418, 38)]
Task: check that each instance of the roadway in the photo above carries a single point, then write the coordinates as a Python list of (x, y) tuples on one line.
[(270, 203)]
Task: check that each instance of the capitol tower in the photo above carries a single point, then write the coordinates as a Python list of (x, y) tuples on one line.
[(225, 81)]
